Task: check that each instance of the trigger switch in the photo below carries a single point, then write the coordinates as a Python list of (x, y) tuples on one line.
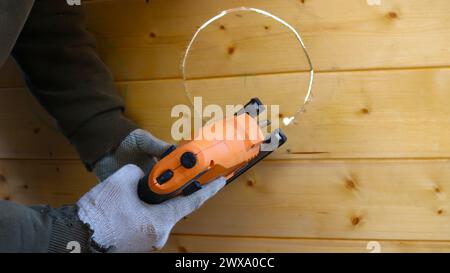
[(168, 151), (191, 188), (164, 177)]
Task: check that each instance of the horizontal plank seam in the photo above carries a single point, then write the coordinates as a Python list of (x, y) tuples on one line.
[(361, 159), (303, 238), (325, 71), (275, 160), (398, 69)]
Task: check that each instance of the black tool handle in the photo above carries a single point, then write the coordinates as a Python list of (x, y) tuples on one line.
[(147, 195)]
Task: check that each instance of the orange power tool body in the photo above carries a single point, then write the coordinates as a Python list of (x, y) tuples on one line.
[(184, 169)]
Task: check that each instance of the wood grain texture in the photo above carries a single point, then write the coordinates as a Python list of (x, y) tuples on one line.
[(44, 181), (404, 200), (207, 244), (371, 114), (149, 40)]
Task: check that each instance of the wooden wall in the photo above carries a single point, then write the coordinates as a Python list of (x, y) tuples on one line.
[(369, 161)]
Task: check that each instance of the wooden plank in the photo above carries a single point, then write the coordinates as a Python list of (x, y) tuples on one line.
[(145, 40), (364, 200), (405, 200), (215, 244), (44, 181), (149, 40), (377, 114), (353, 115)]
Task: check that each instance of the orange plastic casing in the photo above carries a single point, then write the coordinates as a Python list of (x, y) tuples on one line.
[(220, 148)]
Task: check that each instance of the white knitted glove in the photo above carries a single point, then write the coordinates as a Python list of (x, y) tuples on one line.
[(139, 148), (122, 221)]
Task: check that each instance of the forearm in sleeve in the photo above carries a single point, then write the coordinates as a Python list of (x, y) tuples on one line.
[(41, 229), (62, 69)]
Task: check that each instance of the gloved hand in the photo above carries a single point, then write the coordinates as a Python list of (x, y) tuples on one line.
[(139, 148), (122, 221)]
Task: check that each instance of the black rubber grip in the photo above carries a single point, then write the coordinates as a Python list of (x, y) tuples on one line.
[(148, 196)]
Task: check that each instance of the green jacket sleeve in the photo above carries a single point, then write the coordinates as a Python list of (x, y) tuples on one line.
[(62, 69), (42, 229), (13, 14)]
